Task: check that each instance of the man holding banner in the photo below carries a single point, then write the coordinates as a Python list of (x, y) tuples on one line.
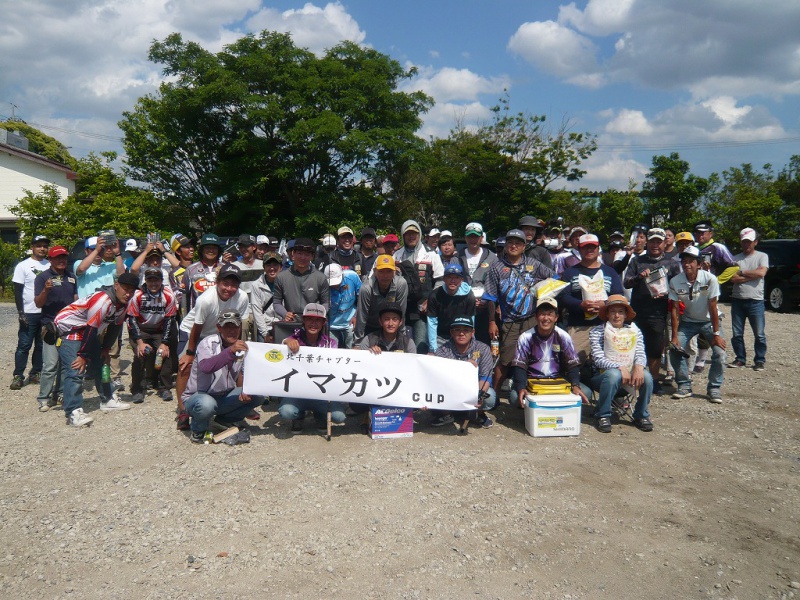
[(310, 335)]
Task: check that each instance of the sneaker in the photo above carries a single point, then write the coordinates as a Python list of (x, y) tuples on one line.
[(114, 403), (758, 367), (78, 418), (297, 425), (44, 407), (604, 425), (34, 378), (669, 378), (484, 421), (17, 382), (253, 415), (715, 397), (736, 364), (118, 385), (442, 420), (183, 421), (644, 424), (681, 394), (137, 398), (165, 395), (698, 368), (54, 401), (197, 437)]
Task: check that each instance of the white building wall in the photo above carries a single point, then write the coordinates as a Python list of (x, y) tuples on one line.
[(18, 174)]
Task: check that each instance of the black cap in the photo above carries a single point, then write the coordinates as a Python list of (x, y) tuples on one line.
[(304, 243), (229, 270), (704, 225), (128, 279), (529, 221), (40, 238), (246, 240), (391, 307), (640, 227), (273, 241), (368, 231), (617, 233)]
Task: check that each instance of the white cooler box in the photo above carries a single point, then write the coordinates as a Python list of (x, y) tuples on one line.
[(551, 416)]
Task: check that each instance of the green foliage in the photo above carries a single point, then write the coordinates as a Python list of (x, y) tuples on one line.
[(9, 256), (671, 194), (266, 136), (41, 143), (744, 197), (619, 210)]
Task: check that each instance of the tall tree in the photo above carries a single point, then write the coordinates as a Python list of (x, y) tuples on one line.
[(671, 194), (620, 210), (41, 143), (265, 133)]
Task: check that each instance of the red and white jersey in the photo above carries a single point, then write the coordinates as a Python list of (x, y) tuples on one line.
[(150, 310), (96, 310)]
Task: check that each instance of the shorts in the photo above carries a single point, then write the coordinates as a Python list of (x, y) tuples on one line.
[(654, 331), (509, 334)]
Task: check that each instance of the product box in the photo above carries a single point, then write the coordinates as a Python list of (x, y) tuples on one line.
[(388, 422), (551, 416)]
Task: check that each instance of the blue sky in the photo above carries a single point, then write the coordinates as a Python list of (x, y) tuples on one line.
[(717, 80)]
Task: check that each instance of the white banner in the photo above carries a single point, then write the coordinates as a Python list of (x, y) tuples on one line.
[(387, 379)]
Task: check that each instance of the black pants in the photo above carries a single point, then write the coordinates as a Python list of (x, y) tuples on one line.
[(144, 367)]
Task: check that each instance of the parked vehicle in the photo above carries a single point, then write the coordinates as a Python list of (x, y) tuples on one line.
[(782, 283)]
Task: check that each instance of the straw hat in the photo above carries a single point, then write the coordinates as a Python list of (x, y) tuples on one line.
[(617, 299)]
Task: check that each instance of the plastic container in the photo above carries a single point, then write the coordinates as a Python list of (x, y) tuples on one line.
[(553, 416)]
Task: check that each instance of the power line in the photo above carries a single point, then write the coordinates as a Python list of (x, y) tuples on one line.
[(96, 136), (694, 145)]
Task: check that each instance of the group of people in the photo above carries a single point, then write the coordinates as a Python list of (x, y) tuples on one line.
[(623, 313)]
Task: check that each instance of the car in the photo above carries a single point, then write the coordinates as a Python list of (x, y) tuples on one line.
[(782, 283)]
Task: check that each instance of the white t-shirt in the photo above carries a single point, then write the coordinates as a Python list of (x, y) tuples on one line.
[(472, 260), (208, 307), (753, 289), (25, 273)]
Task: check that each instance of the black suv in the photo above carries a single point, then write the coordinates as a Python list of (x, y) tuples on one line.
[(782, 283)]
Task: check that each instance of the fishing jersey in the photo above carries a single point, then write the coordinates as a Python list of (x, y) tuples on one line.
[(511, 286), (151, 313)]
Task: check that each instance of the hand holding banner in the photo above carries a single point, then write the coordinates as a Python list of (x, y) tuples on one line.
[(386, 379)]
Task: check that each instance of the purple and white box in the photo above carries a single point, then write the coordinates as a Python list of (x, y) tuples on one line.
[(388, 422)]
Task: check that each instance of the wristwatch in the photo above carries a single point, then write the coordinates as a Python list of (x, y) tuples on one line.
[(717, 333), (190, 352)]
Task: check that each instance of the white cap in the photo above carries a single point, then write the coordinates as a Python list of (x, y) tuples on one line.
[(328, 240), (748, 233), (333, 272), (446, 233), (433, 232), (262, 239), (588, 238), (131, 245)]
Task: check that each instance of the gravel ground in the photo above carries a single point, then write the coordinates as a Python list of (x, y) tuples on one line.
[(706, 506)]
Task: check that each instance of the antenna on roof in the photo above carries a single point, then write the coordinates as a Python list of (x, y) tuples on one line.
[(13, 109)]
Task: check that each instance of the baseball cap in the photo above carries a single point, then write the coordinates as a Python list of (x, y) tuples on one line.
[(91, 242), (304, 244), (153, 252), (315, 310), (153, 272), (516, 233), (391, 307), (384, 261), (57, 251), (210, 239), (577, 229), (272, 256), (547, 301), (262, 239), (179, 241), (690, 252), (640, 227), (344, 231), (328, 240), (230, 270), (131, 245), (501, 241), (413, 227), (334, 274), (454, 269), (703, 226), (229, 316), (246, 239), (367, 231), (273, 241), (656, 233), (529, 221), (462, 322), (748, 233), (40, 238), (684, 236), (617, 233), (588, 239), (445, 234), (128, 279), (473, 229), (433, 232), (390, 238)]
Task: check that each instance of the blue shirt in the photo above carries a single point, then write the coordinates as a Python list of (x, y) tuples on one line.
[(511, 286), (343, 300)]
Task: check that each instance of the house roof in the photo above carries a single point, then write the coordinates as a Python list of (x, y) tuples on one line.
[(38, 158)]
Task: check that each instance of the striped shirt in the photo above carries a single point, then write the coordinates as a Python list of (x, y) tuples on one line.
[(150, 310), (597, 342), (511, 286), (97, 310)]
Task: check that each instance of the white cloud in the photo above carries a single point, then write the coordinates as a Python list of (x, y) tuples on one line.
[(446, 116), (448, 84), (614, 171), (555, 49), (312, 27), (629, 122), (600, 17)]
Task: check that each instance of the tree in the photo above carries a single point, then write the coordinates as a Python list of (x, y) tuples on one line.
[(671, 194), (787, 186), (265, 134), (743, 198), (620, 210), (41, 143)]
